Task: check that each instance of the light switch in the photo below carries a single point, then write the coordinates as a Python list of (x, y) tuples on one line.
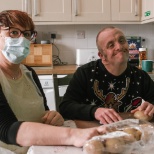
[(80, 34)]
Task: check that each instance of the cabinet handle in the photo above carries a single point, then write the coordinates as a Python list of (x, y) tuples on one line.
[(76, 7), (26, 7), (36, 6), (136, 7)]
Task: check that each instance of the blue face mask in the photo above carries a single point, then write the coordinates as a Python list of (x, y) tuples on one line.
[(16, 49)]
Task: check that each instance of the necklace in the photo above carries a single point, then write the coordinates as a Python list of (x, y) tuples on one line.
[(13, 77)]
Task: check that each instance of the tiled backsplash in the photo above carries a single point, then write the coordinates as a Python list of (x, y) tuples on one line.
[(67, 41)]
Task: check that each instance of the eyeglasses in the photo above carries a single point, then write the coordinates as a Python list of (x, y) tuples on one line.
[(16, 33)]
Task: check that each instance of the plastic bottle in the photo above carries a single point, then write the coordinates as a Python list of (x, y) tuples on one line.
[(142, 56)]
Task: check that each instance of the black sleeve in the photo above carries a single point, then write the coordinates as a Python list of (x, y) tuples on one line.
[(148, 88), (9, 124), (37, 81), (73, 105)]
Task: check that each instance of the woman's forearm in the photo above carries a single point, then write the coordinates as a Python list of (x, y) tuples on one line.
[(31, 133)]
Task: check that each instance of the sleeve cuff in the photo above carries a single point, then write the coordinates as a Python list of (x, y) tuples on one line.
[(92, 113), (12, 133)]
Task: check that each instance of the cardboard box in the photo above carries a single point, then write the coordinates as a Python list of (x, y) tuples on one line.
[(134, 43)]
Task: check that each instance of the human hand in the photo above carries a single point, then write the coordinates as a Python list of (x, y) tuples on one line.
[(53, 118), (78, 137), (147, 107), (106, 115)]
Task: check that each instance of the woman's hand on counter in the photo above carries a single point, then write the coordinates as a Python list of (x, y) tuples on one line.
[(78, 137), (53, 118)]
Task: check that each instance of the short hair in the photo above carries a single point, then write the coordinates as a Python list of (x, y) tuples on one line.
[(9, 18), (102, 30)]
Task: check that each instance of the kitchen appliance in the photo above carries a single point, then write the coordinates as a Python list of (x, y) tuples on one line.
[(40, 55), (48, 88), (86, 55)]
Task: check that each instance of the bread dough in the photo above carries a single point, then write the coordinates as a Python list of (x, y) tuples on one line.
[(141, 116), (94, 147)]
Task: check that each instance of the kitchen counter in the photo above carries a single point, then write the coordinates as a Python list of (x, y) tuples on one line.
[(59, 69)]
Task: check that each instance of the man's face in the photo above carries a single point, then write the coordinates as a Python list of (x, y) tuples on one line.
[(114, 46)]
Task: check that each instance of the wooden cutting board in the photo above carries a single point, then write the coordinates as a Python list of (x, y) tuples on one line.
[(40, 55)]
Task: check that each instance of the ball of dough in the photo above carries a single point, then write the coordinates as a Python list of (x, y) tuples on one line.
[(134, 132), (114, 145), (147, 130), (141, 116), (94, 147)]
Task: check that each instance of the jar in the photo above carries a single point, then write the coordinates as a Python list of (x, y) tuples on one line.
[(142, 56)]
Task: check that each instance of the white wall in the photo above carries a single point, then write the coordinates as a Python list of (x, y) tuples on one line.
[(67, 41)]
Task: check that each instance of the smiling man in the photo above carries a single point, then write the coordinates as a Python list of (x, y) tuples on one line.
[(101, 89)]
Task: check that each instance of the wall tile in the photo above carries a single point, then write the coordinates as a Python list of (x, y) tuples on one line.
[(67, 41)]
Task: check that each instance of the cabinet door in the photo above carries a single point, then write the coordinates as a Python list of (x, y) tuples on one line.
[(125, 10), (13, 5), (51, 10), (91, 10), (147, 9)]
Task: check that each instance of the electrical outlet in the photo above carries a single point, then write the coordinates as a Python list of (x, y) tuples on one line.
[(80, 34), (53, 36)]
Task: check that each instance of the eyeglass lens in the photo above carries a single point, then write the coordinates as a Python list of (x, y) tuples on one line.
[(15, 33)]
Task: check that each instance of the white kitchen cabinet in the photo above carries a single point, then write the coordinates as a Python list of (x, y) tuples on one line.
[(125, 10), (41, 10), (106, 10), (51, 10), (77, 11), (147, 10), (13, 4), (91, 10)]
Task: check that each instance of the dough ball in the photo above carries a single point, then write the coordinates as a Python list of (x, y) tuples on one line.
[(115, 145), (94, 147), (147, 130), (134, 132), (141, 116)]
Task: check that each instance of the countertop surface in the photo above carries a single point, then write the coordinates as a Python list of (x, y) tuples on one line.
[(58, 69)]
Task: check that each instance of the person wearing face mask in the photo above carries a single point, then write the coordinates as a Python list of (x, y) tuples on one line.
[(101, 90), (25, 118)]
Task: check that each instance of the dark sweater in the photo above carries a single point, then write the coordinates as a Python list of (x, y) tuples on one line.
[(9, 124), (92, 86)]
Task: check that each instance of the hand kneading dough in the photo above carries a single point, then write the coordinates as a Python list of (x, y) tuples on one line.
[(141, 116)]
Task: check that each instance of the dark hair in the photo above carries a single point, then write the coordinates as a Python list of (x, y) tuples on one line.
[(9, 18), (102, 30)]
